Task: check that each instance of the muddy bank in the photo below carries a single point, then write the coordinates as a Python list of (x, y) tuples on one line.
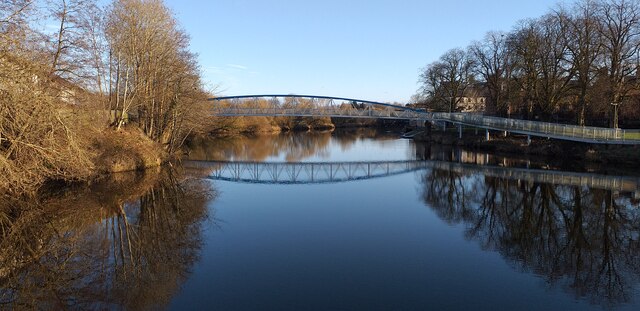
[(553, 150)]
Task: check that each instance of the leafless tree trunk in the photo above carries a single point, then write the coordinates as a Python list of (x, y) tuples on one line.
[(493, 63), (582, 37), (556, 71), (445, 81), (155, 74), (620, 32)]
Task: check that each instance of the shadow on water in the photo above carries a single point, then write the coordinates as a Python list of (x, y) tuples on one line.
[(128, 242), (581, 239)]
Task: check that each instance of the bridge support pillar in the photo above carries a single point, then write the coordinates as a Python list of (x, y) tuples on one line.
[(459, 131), (528, 140), (444, 126), (487, 137), (505, 134)]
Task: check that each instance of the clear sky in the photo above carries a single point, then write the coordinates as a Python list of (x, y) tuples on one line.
[(370, 50)]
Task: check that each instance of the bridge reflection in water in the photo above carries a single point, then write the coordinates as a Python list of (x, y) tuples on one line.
[(335, 172)]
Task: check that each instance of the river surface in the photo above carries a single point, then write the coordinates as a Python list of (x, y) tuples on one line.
[(358, 220)]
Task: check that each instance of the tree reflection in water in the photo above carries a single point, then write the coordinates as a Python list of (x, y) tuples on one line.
[(127, 244), (293, 147), (583, 239)]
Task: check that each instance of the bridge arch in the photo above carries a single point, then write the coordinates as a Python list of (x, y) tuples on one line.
[(291, 105), (311, 106)]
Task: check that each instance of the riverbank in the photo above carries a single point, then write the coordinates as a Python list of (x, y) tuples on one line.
[(553, 150), (126, 150), (229, 127), (91, 155)]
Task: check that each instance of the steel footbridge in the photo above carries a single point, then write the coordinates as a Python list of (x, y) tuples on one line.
[(287, 173), (279, 105)]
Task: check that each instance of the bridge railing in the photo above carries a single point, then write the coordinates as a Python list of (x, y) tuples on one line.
[(316, 112), (322, 106), (550, 129)]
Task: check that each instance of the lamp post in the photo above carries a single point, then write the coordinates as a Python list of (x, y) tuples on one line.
[(615, 114)]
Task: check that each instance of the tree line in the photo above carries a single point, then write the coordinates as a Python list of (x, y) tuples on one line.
[(576, 64), (70, 69)]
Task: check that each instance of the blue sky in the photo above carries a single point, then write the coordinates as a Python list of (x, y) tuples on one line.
[(369, 50)]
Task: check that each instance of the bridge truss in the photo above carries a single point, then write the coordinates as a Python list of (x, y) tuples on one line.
[(278, 105)]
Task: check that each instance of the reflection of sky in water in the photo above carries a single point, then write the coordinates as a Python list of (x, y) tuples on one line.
[(376, 245)]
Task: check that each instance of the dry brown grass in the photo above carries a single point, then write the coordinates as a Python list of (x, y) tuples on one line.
[(126, 150)]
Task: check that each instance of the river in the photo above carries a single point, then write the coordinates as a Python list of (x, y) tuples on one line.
[(350, 220)]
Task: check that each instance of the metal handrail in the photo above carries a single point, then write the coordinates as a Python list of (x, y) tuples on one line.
[(541, 128), (322, 106)]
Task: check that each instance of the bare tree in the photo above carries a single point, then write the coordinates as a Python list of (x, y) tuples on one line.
[(493, 64), (583, 41), (90, 46), (445, 81), (525, 42), (153, 73), (71, 45), (39, 137), (620, 32), (582, 59), (555, 70), (15, 19)]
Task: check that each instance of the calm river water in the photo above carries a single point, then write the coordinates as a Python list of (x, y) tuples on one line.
[(356, 220)]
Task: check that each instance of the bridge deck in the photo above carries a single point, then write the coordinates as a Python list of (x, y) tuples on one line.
[(338, 107)]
